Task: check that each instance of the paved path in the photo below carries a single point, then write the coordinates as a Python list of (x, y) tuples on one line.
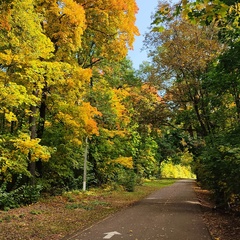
[(171, 213)]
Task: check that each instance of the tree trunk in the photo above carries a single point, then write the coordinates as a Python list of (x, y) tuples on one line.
[(41, 124), (203, 127), (42, 114), (33, 135)]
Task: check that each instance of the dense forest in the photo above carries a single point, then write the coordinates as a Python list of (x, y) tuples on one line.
[(72, 107)]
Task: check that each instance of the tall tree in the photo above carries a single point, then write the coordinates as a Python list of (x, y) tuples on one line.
[(110, 30), (181, 55)]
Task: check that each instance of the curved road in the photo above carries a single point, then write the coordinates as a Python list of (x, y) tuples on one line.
[(170, 213)]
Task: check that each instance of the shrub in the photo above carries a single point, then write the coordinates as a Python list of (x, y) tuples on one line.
[(127, 178), (23, 195)]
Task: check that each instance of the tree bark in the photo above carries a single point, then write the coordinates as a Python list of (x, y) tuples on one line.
[(41, 125), (33, 135)]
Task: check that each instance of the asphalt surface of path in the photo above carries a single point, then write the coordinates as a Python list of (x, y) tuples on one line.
[(171, 213)]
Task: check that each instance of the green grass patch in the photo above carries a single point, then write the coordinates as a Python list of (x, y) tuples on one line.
[(35, 212), (157, 184), (91, 205)]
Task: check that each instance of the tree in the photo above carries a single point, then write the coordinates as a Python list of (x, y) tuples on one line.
[(181, 55), (22, 43), (110, 30)]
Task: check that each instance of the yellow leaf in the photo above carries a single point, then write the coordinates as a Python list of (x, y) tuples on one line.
[(10, 117), (124, 161)]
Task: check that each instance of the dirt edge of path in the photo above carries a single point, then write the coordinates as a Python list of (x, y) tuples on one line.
[(222, 225)]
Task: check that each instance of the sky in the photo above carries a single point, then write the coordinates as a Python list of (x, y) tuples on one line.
[(146, 8)]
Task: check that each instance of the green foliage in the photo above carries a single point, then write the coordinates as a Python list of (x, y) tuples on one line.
[(20, 196), (145, 163), (127, 179), (87, 205), (35, 212), (218, 169)]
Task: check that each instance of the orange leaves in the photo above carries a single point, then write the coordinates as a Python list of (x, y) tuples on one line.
[(5, 10), (146, 96), (79, 120), (118, 106), (4, 22), (64, 25), (88, 113), (42, 69), (74, 11), (76, 81), (72, 20)]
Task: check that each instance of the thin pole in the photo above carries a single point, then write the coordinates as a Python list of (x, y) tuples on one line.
[(85, 165)]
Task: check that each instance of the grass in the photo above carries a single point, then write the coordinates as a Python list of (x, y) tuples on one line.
[(56, 217)]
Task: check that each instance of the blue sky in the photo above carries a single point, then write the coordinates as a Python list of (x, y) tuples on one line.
[(146, 8)]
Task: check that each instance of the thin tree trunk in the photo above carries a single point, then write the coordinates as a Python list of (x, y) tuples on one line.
[(41, 125), (3, 122), (204, 130), (42, 114), (33, 135)]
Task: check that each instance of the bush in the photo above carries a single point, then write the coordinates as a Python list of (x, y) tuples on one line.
[(127, 179), (219, 171), (23, 195)]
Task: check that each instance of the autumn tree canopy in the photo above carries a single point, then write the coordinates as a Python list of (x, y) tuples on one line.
[(48, 52)]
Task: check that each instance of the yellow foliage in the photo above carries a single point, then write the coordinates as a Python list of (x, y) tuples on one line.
[(118, 107), (48, 124), (79, 119), (26, 37), (10, 116), (68, 120), (91, 127), (124, 161), (27, 145), (170, 170), (13, 95), (6, 57), (88, 113), (111, 26), (113, 133), (65, 23), (76, 141)]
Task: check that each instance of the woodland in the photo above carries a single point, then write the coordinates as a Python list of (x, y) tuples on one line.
[(70, 94)]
